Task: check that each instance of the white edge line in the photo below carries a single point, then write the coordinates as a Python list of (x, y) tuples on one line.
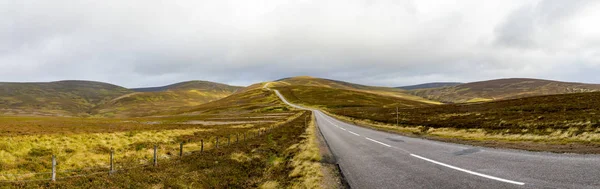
[(470, 172), (354, 133), (378, 142)]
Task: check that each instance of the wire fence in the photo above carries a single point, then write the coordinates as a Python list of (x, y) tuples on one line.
[(57, 174)]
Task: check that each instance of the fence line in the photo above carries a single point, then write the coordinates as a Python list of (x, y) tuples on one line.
[(111, 169)]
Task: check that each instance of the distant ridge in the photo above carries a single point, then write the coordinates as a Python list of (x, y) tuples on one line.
[(334, 84), (189, 85), (66, 98), (91, 98), (430, 85), (502, 89)]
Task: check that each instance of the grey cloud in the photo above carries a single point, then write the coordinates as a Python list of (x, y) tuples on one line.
[(387, 42)]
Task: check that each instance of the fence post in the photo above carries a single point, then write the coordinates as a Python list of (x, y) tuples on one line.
[(237, 138), (217, 144), (53, 168), (155, 156), (181, 149), (228, 140), (112, 168), (201, 145), (397, 117), (244, 136)]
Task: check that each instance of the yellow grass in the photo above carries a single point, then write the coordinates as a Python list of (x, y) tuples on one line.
[(78, 151), (306, 163), (480, 100)]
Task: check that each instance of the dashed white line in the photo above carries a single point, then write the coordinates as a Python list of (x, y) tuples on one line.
[(470, 172), (343, 129), (354, 133), (378, 142)]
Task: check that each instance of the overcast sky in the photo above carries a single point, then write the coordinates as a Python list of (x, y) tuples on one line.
[(388, 42)]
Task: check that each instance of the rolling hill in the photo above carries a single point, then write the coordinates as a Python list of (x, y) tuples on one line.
[(502, 89), (63, 98), (333, 84), (333, 98), (148, 101), (89, 98), (189, 85), (430, 85)]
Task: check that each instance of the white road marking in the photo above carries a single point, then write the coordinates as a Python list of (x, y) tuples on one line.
[(470, 172), (378, 142), (354, 133), (343, 129)]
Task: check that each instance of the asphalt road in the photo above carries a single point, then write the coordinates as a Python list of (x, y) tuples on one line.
[(375, 159)]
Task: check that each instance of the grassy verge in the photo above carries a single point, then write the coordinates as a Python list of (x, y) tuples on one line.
[(305, 160)]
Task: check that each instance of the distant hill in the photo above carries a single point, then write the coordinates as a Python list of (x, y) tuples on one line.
[(502, 89), (335, 99), (148, 101), (430, 85), (89, 98), (205, 85), (66, 98), (334, 84)]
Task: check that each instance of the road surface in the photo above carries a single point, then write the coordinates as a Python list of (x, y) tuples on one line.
[(375, 159)]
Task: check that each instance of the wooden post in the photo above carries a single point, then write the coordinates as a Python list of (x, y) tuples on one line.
[(155, 155), (244, 136), (397, 117), (237, 137), (217, 144), (53, 168), (201, 145), (305, 121), (112, 168), (228, 140), (181, 149)]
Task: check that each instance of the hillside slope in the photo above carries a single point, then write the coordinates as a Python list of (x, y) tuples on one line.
[(204, 85), (332, 99), (65, 98), (333, 84), (430, 85), (164, 99), (90, 98), (502, 89)]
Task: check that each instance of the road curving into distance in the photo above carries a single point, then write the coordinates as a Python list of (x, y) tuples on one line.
[(375, 159)]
